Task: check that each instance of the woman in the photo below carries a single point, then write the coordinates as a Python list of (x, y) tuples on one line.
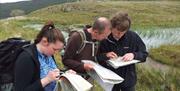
[(35, 68)]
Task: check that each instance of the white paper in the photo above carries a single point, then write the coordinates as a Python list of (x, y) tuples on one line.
[(107, 74), (103, 76), (105, 85), (78, 82), (118, 62)]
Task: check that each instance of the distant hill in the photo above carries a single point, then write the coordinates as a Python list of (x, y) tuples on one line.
[(27, 6)]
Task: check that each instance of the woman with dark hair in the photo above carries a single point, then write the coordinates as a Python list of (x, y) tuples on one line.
[(35, 68)]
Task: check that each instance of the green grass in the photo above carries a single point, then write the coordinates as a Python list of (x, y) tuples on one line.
[(144, 14), (167, 54), (15, 29), (152, 80)]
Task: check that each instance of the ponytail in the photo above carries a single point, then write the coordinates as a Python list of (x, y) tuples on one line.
[(50, 32)]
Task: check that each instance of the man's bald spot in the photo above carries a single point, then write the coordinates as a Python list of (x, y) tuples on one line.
[(101, 23)]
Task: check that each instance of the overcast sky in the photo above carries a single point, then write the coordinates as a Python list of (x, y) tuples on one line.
[(10, 1)]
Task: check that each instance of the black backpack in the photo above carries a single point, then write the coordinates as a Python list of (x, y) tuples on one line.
[(9, 51)]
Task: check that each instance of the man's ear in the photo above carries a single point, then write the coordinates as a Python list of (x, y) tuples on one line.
[(44, 41), (96, 32)]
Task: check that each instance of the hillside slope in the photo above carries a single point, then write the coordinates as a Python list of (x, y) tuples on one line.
[(143, 13), (27, 6)]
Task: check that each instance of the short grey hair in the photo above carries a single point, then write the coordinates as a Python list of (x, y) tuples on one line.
[(101, 23)]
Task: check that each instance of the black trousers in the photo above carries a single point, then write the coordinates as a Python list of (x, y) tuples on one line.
[(117, 88)]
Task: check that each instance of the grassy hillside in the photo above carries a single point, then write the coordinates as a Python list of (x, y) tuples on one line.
[(26, 6), (13, 28), (144, 14)]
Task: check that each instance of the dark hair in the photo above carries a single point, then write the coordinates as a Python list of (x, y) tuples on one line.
[(100, 24), (121, 21), (50, 32)]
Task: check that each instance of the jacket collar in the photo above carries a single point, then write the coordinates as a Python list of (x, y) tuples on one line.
[(88, 35), (111, 39)]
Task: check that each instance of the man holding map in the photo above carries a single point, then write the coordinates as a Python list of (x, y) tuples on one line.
[(125, 43)]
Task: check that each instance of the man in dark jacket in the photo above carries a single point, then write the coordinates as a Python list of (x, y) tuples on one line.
[(72, 57), (125, 43)]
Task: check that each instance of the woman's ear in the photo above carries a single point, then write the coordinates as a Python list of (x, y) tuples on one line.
[(44, 41)]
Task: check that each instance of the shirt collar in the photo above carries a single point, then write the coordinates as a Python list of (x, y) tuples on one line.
[(41, 55), (112, 39)]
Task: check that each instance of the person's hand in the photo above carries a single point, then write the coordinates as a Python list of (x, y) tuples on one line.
[(71, 71), (128, 57), (88, 67), (111, 55), (51, 76)]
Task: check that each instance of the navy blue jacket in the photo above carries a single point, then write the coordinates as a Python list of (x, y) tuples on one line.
[(130, 42)]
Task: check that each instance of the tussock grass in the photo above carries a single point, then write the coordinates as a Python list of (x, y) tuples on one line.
[(152, 80), (14, 28), (167, 54)]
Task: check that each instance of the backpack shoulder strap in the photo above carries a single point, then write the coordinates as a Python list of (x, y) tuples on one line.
[(83, 44), (29, 52)]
